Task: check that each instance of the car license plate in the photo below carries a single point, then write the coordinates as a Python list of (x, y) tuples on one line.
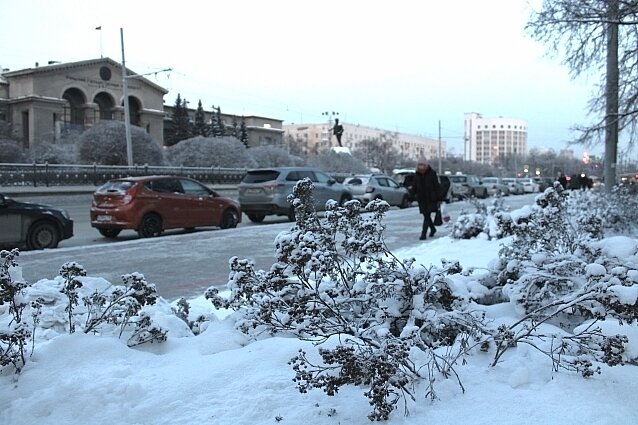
[(103, 218), (253, 191)]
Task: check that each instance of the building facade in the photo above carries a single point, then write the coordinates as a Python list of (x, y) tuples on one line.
[(43, 103), (488, 140), (313, 138)]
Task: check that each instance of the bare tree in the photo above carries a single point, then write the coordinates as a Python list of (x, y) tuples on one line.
[(593, 35), (379, 153)]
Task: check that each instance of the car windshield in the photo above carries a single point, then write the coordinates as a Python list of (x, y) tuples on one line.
[(458, 179), (260, 176), (119, 186)]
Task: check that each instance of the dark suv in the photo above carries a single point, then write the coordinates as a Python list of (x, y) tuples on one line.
[(33, 226), (264, 191), (152, 204)]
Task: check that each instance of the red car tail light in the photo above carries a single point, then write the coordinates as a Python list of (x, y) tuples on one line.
[(369, 189)]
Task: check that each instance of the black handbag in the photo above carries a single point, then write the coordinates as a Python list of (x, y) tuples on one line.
[(438, 220)]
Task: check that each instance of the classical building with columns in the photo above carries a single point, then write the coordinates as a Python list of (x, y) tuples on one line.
[(44, 102)]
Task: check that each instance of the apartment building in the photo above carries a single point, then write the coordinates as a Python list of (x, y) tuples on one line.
[(486, 140), (316, 137)]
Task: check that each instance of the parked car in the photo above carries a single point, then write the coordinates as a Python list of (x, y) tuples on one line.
[(529, 185), (32, 226), (152, 204), (467, 186), (367, 187), (514, 186), (264, 191), (406, 177), (495, 186)]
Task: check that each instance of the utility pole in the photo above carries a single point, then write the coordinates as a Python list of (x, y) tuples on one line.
[(440, 166), (127, 112)]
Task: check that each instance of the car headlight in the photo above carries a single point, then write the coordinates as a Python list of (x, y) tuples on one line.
[(65, 214)]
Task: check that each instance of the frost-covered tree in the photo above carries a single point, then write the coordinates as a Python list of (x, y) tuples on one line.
[(11, 151), (180, 128), (209, 152), (597, 36), (105, 143), (199, 127), (243, 132), (273, 156), (217, 126)]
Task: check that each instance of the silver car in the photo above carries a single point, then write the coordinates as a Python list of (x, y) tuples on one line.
[(264, 191), (367, 187), (495, 186), (515, 187)]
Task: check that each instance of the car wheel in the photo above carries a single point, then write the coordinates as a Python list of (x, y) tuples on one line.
[(109, 233), (229, 219), (405, 202), (344, 199), (256, 218), (43, 235), (150, 226)]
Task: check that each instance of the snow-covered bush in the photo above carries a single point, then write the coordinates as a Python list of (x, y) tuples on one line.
[(338, 162), (274, 156), (336, 283), (105, 143), (11, 151), (483, 221), (53, 153), (209, 152), (71, 301), (16, 330), (555, 274)]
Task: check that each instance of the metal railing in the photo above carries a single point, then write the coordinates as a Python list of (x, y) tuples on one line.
[(66, 175)]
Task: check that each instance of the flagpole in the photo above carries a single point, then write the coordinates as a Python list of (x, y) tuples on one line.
[(100, 30)]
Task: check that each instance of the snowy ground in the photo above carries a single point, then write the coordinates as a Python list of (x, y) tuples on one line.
[(218, 377)]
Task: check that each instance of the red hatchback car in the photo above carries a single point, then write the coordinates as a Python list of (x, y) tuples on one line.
[(152, 204)]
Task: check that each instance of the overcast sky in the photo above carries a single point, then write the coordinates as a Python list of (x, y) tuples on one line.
[(400, 65)]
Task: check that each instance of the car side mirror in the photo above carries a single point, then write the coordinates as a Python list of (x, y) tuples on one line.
[(331, 182)]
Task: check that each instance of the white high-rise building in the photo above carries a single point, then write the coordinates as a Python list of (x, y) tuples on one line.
[(488, 139)]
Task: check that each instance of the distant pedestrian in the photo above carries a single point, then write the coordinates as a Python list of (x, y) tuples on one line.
[(583, 181), (562, 179), (426, 190)]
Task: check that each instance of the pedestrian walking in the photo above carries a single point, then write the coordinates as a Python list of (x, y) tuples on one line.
[(426, 190)]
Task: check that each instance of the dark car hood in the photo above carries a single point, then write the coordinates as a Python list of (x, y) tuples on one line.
[(31, 206)]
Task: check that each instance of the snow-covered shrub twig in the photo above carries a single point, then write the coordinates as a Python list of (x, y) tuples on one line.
[(121, 305), (15, 334)]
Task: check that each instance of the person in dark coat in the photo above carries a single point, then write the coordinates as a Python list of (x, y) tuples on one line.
[(426, 190), (562, 179)]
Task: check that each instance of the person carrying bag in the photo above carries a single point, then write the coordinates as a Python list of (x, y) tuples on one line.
[(426, 190)]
